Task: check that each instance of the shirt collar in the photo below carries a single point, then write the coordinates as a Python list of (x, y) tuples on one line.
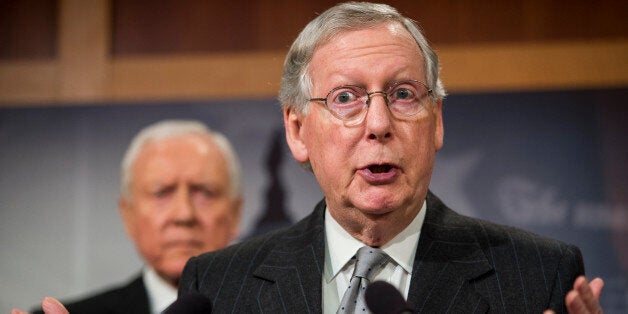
[(160, 293), (402, 248)]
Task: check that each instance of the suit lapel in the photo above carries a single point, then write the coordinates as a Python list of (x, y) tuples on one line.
[(447, 258), (134, 298), (295, 268)]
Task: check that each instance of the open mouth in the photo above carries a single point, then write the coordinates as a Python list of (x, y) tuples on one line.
[(380, 168), (379, 174)]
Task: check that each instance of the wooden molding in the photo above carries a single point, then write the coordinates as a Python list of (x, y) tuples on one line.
[(466, 68), (535, 66), (242, 75), (83, 49)]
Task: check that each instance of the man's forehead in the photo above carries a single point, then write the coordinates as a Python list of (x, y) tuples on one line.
[(386, 46), (349, 40), (393, 27)]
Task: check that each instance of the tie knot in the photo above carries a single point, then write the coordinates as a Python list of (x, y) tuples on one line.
[(369, 259)]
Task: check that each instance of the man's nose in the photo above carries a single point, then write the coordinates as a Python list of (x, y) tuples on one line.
[(378, 117), (183, 207)]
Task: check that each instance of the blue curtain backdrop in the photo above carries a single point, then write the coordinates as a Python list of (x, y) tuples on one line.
[(550, 162)]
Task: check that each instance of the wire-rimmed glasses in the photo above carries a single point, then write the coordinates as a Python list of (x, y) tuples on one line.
[(350, 103)]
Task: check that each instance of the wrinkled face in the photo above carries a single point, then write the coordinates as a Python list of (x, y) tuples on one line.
[(180, 204), (382, 166)]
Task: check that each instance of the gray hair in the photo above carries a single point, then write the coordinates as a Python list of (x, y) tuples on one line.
[(296, 83), (173, 128)]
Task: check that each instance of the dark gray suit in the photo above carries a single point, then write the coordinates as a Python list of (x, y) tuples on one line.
[(130, 298), (462, 265)]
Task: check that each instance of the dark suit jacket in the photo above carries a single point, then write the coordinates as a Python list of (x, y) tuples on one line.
[(462, 265), (130, 298)]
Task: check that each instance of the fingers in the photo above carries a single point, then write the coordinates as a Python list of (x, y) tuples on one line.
[(49, 305), (53, 306), (585, 297), (596, 286), (574, 303)]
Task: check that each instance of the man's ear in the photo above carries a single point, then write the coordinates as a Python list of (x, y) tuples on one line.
[(125, 208), (236, 211), (439, 131), (294, 134)]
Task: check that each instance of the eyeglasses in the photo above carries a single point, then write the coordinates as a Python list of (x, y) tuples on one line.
[(350, 103)]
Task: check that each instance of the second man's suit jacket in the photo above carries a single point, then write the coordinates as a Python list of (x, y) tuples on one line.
[(462, 265), (129, 298)]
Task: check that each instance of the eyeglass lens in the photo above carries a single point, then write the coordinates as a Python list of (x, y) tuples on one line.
[(349, 102)]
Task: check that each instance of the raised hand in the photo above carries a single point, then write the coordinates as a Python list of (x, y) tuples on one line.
[(585, 297), (49, 305)]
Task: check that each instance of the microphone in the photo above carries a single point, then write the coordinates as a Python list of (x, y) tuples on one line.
[(191, 303), (383, 298)]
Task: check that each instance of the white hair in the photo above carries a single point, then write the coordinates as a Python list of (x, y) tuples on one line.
[(173, 128), (296, 82)]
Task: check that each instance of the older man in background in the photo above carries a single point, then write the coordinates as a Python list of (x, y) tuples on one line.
[(180, 196)]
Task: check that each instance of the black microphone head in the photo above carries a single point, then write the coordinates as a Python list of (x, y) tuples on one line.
[(383, 298), (191, 303)]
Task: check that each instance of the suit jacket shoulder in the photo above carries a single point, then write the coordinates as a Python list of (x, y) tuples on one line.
[(276, 272), (129, 298), (462, 264), (465, 263)]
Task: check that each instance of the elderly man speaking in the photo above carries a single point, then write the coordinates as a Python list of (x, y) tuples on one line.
[(362, 102), (362, 99)]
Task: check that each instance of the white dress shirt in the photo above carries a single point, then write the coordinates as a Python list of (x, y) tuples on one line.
[(160, 293), (340, 247)]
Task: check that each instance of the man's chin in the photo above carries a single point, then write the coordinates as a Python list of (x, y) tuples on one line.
[(377, 203), (171, 273)]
